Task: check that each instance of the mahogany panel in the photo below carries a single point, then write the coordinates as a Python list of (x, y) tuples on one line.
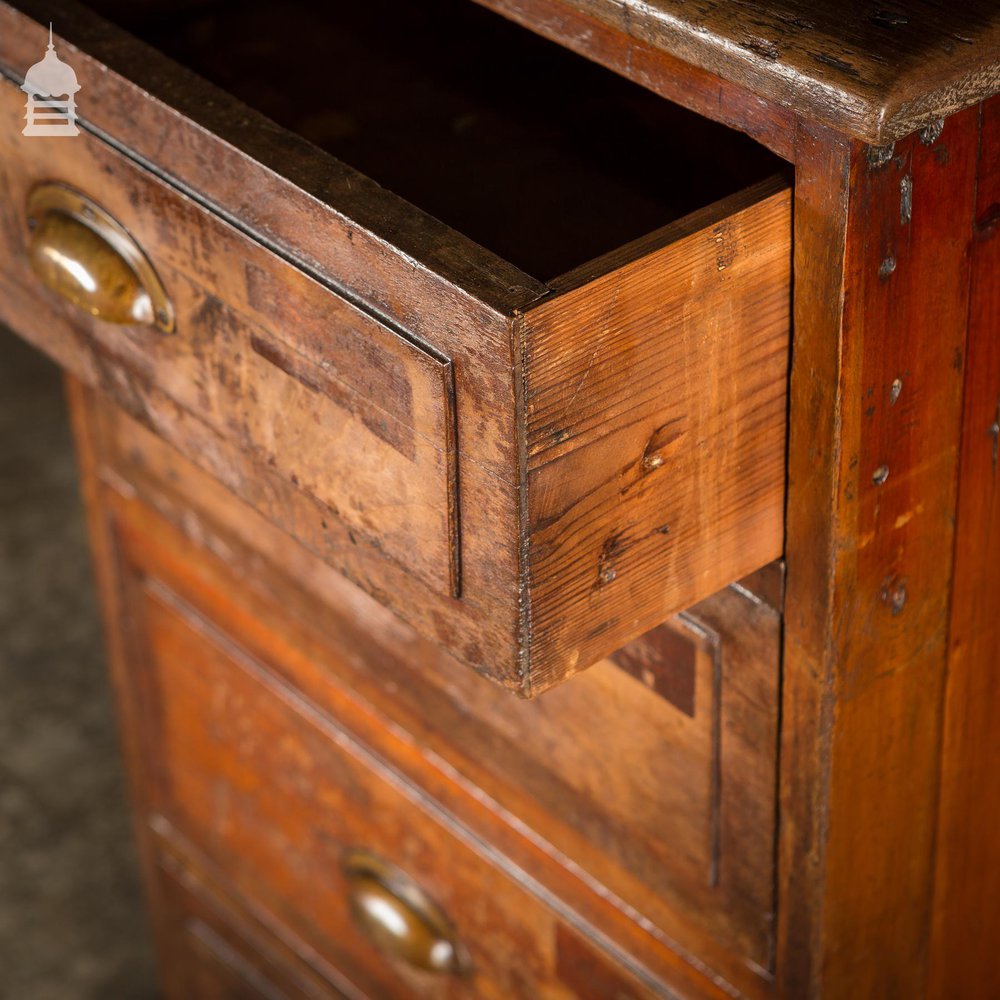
[(963, 959), (882, 272)]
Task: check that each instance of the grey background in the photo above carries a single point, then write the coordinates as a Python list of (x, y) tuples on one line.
[(72, 923)]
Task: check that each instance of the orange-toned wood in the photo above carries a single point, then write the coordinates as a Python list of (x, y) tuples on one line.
[(890, 509), (653, 478), (554, 783), (687, 841), (271, 793), (448, 470), (875, 73), (963, 960), (882, 275), (214, 951)]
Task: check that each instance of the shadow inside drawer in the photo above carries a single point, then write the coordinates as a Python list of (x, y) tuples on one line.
[(537, 154)]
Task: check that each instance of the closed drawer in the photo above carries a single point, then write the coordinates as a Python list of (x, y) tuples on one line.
[(651, 777), (533, 447), (212, 949), (306, 825)]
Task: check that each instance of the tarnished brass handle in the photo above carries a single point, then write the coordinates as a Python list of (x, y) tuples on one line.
[(399, 918), (81, 253)]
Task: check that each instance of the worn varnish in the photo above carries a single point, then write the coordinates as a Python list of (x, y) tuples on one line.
[(686, 839), (963, 940), (873, 73), (624, 825), (418, 458), (872, 491), (352, 413), (268, 793)]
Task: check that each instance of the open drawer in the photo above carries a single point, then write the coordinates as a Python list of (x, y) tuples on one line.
[(534, 429)]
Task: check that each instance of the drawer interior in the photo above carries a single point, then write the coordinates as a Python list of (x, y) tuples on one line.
[(531, 473), (535, 153)]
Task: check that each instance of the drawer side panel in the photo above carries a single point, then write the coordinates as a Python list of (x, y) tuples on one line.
[(655, 398)]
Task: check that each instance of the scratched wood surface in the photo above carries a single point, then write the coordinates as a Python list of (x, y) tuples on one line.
[(352, 413), (406, 699), (655, 429), (273, 809), (341, 419), (963, 961), (876, 409), (873, 73)]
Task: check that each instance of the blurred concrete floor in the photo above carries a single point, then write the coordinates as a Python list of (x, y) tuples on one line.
[(72, 924)]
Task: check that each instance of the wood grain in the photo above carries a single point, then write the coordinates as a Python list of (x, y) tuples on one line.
[(966, 916), (873, 74), (655, 426), (343, 425), (352, 412), (503, 764), (273, 808), (873, 462)]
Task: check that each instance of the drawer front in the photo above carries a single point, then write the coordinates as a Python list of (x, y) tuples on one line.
[(531, 472), (211, 950), (262, 358), (653, 773), (302, 820)]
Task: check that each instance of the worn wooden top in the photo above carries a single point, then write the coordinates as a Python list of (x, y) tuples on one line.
[(874, 69)]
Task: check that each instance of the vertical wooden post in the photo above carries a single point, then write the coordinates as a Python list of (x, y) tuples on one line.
[(965, 963), (882, 278)]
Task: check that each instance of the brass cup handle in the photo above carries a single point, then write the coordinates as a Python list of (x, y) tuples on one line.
[(399, 918), (82, 254)]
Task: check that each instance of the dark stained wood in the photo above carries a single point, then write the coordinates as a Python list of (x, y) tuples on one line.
[(652, 477), (310, 205), (963, 959), (603, 40), (422, 99), (882, 278), (872, 73), (665, 661), (355, 414)]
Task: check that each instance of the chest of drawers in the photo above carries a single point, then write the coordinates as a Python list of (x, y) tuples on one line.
[(419, 362)]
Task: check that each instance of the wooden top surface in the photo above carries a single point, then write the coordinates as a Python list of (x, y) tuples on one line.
[(874, 70)]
